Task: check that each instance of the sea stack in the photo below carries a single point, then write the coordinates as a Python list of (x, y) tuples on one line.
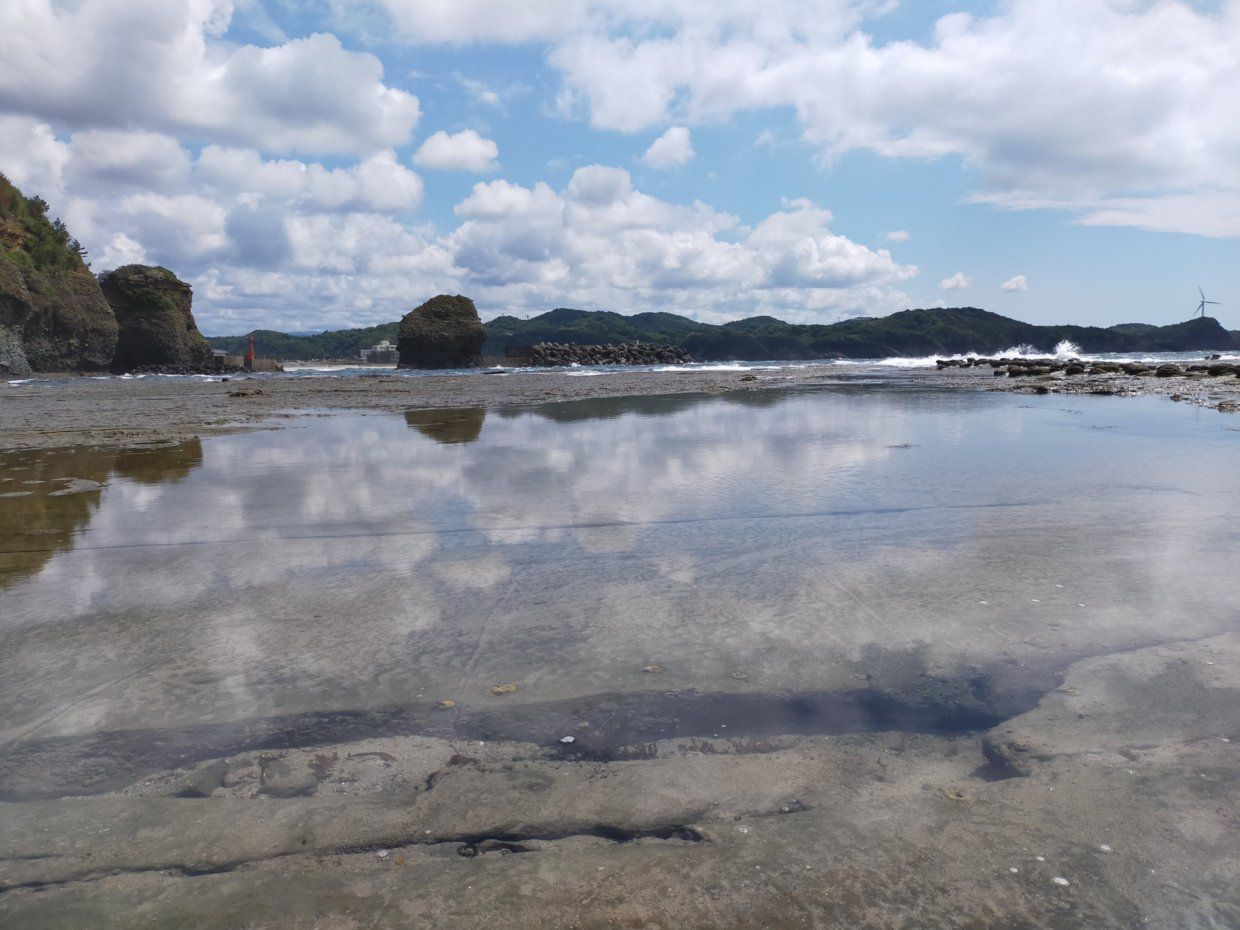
[(157, 328), (445, 332), (52, 314)]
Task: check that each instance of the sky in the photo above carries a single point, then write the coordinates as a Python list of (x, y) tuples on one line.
[(324, 164)]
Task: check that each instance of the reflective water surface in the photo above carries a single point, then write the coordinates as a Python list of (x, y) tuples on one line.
[(636, 568)]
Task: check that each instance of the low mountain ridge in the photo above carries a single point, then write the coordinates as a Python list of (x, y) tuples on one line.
[(921, 332)]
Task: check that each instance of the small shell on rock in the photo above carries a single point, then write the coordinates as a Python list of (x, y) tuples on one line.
[(1060, 880), (568, 739), (446, 704), (740, 676), (1104, 848), (652, 669), (382, 854), (504, 689)]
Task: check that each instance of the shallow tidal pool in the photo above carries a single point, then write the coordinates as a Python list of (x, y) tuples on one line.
[(832, 561), (872, 655)]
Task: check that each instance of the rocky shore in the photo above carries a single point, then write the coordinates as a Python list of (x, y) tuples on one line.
[(1113, 819), (1211, 382), (116, 412)]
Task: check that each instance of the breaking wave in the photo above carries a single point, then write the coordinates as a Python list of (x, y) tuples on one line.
[(1064, 350)]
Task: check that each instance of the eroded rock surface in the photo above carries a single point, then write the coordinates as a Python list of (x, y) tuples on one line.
[(1128, 819)]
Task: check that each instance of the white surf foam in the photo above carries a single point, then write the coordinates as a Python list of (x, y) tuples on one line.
[(1064, 350), (718, 366), (339, 367)]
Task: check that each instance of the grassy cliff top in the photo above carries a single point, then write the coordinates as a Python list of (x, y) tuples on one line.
[(31, 240)]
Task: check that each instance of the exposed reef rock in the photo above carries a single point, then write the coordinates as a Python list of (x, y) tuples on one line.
[(53, 316), (157, 329), (625, 353), (445, 332), (1024, 367)]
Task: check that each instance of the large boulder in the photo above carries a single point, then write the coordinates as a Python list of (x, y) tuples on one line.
[(157, 329), (445, 332), (53, 316)]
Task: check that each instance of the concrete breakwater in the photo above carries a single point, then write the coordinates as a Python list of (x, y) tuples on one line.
[(550, 354)]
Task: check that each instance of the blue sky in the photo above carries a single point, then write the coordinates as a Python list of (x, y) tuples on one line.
[(321, 165)]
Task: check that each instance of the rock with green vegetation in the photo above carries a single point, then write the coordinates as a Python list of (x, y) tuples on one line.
[(445, 332), (157, 329), (53, 316)]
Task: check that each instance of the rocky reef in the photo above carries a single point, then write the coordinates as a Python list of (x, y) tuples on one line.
[(53, 316), (157, 330), (445, 332), (1023, 367), (1212, 382), (550, 354)]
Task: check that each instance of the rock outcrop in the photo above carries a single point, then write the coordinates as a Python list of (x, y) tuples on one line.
[(445, 332), (153, 311), (53, 316)]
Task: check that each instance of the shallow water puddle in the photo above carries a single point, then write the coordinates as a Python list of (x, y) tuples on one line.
[(863, 557)]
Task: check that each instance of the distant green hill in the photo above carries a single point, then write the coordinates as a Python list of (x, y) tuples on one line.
[(908, 333)]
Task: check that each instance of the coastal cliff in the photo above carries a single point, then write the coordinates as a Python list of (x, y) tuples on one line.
[(53, 315)]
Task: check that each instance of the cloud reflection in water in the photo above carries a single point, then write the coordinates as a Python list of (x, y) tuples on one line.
[(358, 562)]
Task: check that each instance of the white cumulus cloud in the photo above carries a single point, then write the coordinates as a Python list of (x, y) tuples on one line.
[(601, 242), (671, 150), (897, 235), (462, 151), (957, 282), (1018, 283), (162, 65), (1015, 94)]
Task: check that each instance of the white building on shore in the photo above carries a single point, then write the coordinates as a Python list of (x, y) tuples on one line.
[(381, 354)]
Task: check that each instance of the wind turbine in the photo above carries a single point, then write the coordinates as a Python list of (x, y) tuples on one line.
[(1201, 307)]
